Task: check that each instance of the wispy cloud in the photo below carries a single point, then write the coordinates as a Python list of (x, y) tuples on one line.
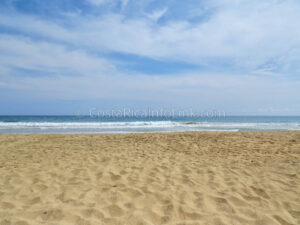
[(157, 14), (98, 2), (240, 46), (45, 56), (247, 34)]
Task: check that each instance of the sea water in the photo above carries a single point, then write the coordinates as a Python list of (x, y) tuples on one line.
[(88, 124)]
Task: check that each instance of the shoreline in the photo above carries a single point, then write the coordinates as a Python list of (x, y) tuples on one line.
[(200, 177), (158, 132)]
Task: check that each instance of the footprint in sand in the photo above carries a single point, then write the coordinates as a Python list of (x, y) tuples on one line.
[(260, 192)]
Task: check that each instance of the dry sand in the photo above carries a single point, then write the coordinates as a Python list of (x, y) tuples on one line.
[(168, 178)]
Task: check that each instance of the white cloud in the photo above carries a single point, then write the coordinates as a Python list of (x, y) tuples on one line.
[(157, 14), (246, 33), (98, 79), (124, 3), (44, 56)]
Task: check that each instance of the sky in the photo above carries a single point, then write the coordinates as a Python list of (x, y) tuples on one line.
[(238, 56)]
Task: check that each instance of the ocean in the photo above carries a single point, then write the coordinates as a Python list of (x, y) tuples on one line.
[(87, 124)]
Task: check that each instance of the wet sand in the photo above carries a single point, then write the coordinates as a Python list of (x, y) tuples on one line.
[(211, 178)]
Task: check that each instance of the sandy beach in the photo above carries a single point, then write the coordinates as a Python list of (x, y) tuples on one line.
[(211, 178)]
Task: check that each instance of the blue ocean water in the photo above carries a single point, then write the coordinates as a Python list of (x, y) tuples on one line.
[(87, 124)]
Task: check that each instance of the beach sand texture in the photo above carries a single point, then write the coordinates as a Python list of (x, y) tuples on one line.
[(211, 178)]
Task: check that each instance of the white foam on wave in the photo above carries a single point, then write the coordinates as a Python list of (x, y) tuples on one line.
[(141, 126), (50, 125)]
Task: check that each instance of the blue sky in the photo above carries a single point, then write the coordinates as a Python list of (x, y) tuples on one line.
[(239, 56)]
